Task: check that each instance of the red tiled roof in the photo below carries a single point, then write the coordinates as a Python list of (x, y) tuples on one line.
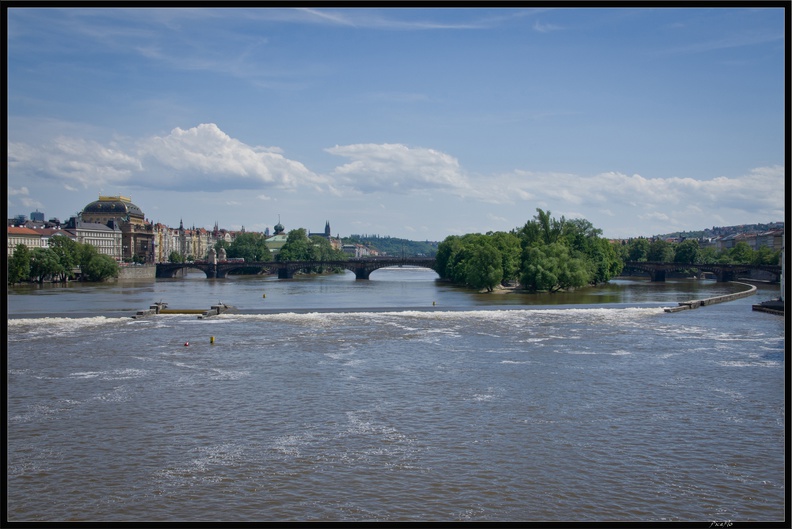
[(22, 231)]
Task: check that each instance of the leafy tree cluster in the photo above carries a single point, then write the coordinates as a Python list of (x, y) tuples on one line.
[(690, 252), (479, 261), (560, 254), (59, 261), (545, 254), (300, 247), (251, 246), (394, 246)]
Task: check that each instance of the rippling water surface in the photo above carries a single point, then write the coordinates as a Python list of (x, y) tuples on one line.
[(342, 400)]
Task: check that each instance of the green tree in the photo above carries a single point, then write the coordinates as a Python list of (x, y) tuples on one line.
[(552, 268), (68, 254), (638, 250), (43, 264), (542, 230), (483, 266), (660, 251), (550, 229), (600, 256), (708, 255), (765, 255), (175, 257), (686, 252), (99, 267), (509, 246), (445, 253), (741, 253), (251, 246), (296, 248), (19, 265), (603, 261)]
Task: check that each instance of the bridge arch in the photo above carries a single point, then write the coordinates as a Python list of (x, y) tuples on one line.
[(362, 268), (723, 272)]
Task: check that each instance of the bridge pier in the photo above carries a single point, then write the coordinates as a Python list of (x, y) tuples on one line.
[(725, 276), (285, 273), (362, 273), (657, 275)]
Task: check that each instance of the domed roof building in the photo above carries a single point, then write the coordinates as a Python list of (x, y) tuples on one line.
[(113, 208), (120, 212)]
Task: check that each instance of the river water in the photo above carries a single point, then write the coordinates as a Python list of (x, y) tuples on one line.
[(394, 399)]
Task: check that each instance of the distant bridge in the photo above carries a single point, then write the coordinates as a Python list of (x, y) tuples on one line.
[(286, 269), (723, 272)]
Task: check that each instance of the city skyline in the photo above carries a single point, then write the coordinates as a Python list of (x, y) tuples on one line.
[(410, 123)]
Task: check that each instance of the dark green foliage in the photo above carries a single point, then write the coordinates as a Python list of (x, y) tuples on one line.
[(96, 266), (509, 246), (660, 251), (43, 264), (393, 246), (19, 265), (68, 253), (551, 267), (300, 247), (297, 247), (638, 250), (686, 252), (545, 254), (250, 246), (99, 267), (58, 262)]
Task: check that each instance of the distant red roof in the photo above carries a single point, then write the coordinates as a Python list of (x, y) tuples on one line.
[(22, 231)]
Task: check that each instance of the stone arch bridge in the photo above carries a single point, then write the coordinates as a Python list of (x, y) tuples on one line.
[(723, 272), (286, 269)]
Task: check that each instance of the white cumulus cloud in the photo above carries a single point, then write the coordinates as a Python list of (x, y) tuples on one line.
[(206, 153), (77, 160), (397, 168)]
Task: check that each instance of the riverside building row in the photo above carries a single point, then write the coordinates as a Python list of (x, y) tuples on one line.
[(118, 228)]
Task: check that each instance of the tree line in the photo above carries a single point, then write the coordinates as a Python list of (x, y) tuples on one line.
[(549, 254), (59, 262), (689, 252), (546, 254)]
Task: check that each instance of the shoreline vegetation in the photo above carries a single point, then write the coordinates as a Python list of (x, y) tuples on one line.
[(559, 255)]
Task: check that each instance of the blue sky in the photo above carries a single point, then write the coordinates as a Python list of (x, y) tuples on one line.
[(414, 123)]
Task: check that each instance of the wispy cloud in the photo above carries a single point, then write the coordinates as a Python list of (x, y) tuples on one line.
[(545, 28), (18, 191), (736, 40)]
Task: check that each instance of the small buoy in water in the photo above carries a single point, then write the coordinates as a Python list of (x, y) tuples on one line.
[(433, 303), (186, 344), (211, 339), (263, 295)]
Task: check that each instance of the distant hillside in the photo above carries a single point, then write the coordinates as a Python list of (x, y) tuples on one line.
[(722, 231), (394, 246)]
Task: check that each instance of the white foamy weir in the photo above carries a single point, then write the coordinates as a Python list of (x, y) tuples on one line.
[(601, 314)]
